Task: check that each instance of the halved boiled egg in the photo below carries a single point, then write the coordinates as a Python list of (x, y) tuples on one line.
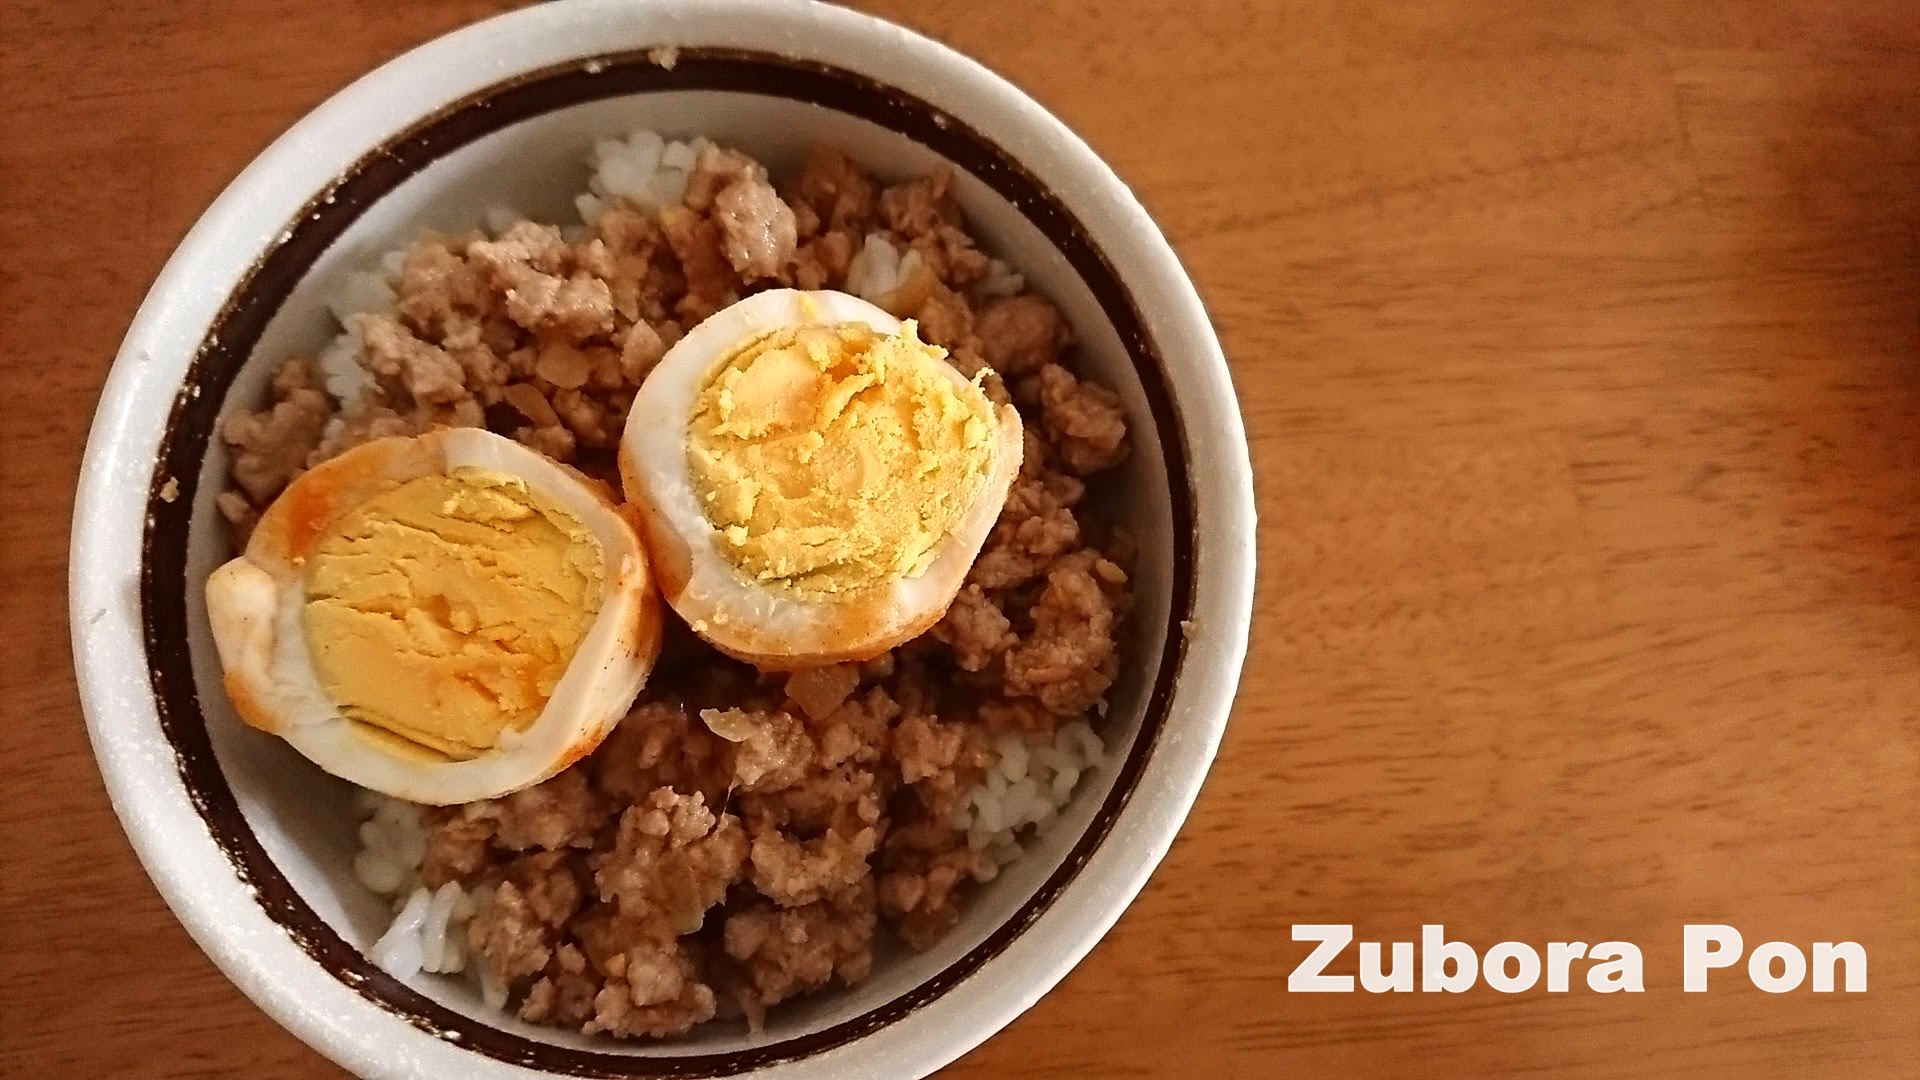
[(813, 480), (442, 618)]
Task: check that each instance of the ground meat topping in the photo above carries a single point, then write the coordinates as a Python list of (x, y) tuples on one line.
[(820, 691), (923, 868), (656, 993), (1020, 334), (792, 872), (456, 847), (425, 372), (560, 813), (672, 860), (1070, 658), (757, 228), (270, 448), (975, 629), (710, 283), (564, 995), (784, 952), (513, 940), (921, 206), (771, 750), (838, 193), (1085, 419)]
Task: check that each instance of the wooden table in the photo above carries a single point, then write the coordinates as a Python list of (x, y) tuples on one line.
[(1578, 347)]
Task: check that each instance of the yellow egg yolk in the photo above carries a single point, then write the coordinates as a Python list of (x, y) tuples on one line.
[(444, 611), (831, 458)]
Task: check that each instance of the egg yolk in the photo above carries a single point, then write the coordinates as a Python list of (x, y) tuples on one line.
[(444, 611), (831, 458)]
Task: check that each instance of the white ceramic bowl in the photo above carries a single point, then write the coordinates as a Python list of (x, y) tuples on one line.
[(251, 846)]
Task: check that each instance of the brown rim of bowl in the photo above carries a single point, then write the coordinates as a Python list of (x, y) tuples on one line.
[(245, 315)]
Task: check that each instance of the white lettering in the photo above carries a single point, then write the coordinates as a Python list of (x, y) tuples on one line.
[(1310, 977), (1375, 981), (1617, 969), (1828, 956), (1793, 967), (1560, 958), (1437, 953), (1527, 963), (1703, 948)]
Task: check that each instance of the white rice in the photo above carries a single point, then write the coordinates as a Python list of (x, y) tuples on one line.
[(1028, 782), (644, 168), (879, 267), (428, 932), (1001, 280)]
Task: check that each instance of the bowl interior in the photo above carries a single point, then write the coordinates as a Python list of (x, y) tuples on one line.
[(303, 820)]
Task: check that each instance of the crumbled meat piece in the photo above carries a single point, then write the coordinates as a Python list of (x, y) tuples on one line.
[(393, 354), (696, 243), (659, 745), (1085, 419), (1019, 714), (672, 860), (271, 447), (604, 936), (715, 169), (576, 308), (526, 244), (922, 205), (757, 228), (925, 747), (558, 813), (563, 996), (549, 882), (819, 691), (457, 847), (790, 871), (923, 868), (1020, 334), (975, 629), (1070, 657), (771, 750), (594, 422), (950, 254), (1036, 527), (823, 261), (552, 440), (439, 290), (940, 760), (844, 799), (946, 320), (657, 994), (856, 730), (508, 936), (483, 371), (784, 952), (838, 192), (622, 253)]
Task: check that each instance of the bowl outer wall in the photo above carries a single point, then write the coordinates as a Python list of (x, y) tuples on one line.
[(173, 844)]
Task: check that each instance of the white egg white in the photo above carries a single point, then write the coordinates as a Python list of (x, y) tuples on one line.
[(255, 605), (770, 624)]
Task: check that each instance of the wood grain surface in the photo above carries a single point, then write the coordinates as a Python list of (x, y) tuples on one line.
[(1578, 345)]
